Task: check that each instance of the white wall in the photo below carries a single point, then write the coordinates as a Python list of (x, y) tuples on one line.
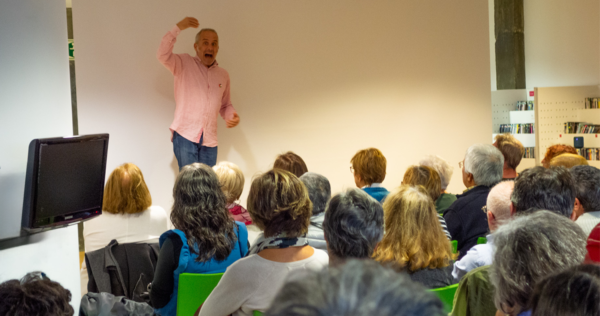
[(562, 43), (322, 78), (35, 102)]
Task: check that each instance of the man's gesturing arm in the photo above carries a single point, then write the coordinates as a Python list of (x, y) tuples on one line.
[(165, 50)]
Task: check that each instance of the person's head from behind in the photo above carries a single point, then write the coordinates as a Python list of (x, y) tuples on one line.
[(353, 225), (231, 179), (556, 150), (368, 166), (528, 248), (511, 148), (483, 165), (126, 191), (498, 204), (279, 204), (292, 163), (34, 295), (413, 238), (443, 168), (587, 189), (425, 176), (207, 46), (199, 210), (568, 161), (360, 287), (539, 188), (319, 191), (573, 292)]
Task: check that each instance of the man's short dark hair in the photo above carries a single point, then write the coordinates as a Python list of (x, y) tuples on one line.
[(319, 191), (587, 187), (353, 224), (539, 188), (35, 294), (357, 288)]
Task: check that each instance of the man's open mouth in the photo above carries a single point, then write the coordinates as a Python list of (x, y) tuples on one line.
[(208, 55)]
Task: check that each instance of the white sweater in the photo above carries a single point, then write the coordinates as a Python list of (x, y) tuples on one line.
[(252, 283)]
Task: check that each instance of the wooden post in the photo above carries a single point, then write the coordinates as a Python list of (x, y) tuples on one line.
[(510, 44)]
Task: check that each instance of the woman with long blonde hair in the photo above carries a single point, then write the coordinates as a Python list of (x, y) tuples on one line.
[(413, 241)]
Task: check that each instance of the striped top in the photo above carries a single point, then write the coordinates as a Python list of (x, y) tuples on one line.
[(444, 227)]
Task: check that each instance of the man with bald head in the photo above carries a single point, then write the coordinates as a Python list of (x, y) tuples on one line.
[(201, 94)]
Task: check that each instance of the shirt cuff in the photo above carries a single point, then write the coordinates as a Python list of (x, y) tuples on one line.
[(175, 30)]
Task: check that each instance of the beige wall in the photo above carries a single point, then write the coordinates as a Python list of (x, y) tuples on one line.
[(562, 43), (321, 78)]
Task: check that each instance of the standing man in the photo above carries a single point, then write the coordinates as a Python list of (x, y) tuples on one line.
[(201, 92)]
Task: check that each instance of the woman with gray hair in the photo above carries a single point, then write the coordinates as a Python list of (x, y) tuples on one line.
[(445, 171), (528, 249), (319, 192)]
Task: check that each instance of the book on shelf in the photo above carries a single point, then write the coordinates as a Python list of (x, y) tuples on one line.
[(581, 128), (591, 103), (589, 153), (524, 105), (529, 152), (517, 128)]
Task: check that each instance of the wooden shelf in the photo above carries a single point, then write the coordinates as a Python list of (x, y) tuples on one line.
[(522, 117), (589, 140)]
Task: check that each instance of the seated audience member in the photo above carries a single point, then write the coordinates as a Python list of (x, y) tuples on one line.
[(279, 204), (232, 180), (360, 287), (127, 212), (413, 241), (444, 170), (539, 188), (587, 193), (353, 226), (466, 219), (430, 180), (292, 163), (205, 239), (513, 151), (498, 212), (34, 295), (568, 161), (556, 150), (575, 291), (529, 248), (319, 192), (368, 167)]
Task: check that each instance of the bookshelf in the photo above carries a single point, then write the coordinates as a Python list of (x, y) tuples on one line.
[(557, 105)]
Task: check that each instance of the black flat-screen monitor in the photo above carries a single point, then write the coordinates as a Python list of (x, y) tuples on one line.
[(64, 182)]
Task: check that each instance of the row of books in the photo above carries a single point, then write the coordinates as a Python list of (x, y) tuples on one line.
[(589, 153), (529, 152), (591, 103), (524, 105), (517, 128), (581, 128)]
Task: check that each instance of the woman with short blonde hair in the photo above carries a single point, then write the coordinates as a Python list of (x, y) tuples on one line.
[(413, 241), (232, 184)]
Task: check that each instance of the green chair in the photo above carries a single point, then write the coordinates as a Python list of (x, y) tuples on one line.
[(194, 289), (454, 246), (257, 313), (446, 295), (481, 240)]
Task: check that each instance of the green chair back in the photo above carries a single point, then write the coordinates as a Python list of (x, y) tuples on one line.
[(481, 240), (446, 295), (193, 290), (454, 246), (257, 313)]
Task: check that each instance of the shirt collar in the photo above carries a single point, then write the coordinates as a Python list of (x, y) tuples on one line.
[(373, 185)]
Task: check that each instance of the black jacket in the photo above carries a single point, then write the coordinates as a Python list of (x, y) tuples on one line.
[(466, 218)]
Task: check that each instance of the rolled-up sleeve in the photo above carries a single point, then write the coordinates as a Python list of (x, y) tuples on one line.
[(165, 51)]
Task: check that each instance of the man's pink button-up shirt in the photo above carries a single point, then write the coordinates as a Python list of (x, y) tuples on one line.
[(200, 93)]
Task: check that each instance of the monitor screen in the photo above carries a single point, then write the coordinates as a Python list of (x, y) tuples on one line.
[(65, 180)]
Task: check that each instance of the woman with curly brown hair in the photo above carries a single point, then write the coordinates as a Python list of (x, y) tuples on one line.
[(34, 295), (279, 204), (413, 241), (205, 238)]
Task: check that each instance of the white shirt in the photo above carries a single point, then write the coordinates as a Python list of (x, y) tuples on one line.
[(587, 221), (252, 283), (477, 256), (146, 226)]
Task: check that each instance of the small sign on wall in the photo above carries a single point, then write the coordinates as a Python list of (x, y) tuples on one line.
[(71, 54)]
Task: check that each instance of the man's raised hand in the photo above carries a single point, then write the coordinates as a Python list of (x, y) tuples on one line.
[(188, 22)]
